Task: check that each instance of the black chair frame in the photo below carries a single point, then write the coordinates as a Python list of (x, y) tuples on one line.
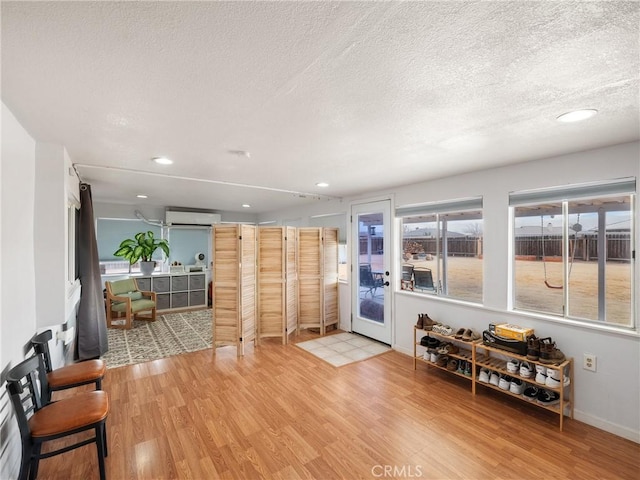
[(27, 398), (40, 345)]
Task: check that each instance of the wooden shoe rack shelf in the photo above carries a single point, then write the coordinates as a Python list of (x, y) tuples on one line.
[(494, 359)]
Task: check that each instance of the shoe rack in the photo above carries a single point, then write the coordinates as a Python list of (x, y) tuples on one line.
[(494, 359), (465, 354)]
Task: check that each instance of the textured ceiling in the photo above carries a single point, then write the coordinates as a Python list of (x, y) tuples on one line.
[(365, 96)]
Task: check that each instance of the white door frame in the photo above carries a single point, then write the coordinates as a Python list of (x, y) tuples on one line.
[(379, 331)]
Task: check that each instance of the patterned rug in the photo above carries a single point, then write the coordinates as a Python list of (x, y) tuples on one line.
[(171, 334), (343, 348)]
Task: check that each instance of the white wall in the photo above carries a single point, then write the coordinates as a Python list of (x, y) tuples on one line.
[(18, 312), (608, 399)]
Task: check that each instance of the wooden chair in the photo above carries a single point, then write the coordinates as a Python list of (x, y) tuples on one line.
[(39, 421), (125, 298), (69, 376)]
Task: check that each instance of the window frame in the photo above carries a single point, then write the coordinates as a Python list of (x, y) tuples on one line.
[(565, 196), (441, 213)]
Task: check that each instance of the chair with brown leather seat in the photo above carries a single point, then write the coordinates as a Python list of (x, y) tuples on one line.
[(39, 421), (69, 376)]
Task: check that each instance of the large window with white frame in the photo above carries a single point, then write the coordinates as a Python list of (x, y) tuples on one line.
[(442, 249), (573, 251)]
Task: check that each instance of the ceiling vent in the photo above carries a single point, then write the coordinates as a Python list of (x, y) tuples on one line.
[(184, 217)]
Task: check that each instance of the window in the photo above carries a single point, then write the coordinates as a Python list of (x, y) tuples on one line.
[(573, 251), (442, 249), (110, 232)]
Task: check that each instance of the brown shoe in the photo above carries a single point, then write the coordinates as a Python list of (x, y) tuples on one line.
[(459, 333), (420, 323), (533, 348), (550, 354), (427, 322)]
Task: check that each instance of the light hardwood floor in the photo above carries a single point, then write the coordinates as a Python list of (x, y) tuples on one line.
[(281, 413)]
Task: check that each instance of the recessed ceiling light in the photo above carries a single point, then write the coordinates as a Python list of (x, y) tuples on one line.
[(246, 205), (322, 184), (577, 115), (141, 196), (162, 160), (240, 153)]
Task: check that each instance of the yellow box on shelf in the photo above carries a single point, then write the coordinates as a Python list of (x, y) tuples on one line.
[(508, 330)]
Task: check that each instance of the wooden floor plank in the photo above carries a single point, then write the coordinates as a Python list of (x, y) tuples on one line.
[(278, 412)]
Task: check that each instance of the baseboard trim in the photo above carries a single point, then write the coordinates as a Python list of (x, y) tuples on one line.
[(607, 426)]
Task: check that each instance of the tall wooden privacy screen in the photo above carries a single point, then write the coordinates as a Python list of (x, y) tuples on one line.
[(277, 282), (317, 277), (234, 285)]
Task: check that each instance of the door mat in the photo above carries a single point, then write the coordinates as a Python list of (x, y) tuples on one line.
[(343, 348)]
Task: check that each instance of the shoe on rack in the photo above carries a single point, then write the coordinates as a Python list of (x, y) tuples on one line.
[(541, 374), (550, 354), (420, 323), (459, 333), (452, 366), (483, 376), (533, 348), (424, 341), (526, 370), (427, 356), (547, 398), (494, 379), (513, 366), (531, 393), (504, 382), (447, 348), (446, 330), (433, 342), (462, 364), (555, 383), (442, 361), (433, 357), (427, 323), (516, 386), (467, 369), (470, 336)]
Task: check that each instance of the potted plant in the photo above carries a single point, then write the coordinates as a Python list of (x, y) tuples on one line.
[(141, 248)]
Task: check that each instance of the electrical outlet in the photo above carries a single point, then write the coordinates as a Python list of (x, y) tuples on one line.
[(589, 362)]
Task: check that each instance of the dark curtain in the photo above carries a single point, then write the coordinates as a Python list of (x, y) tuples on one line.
[(91, 326)]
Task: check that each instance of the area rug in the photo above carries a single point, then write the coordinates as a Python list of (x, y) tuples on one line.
[(171, 334), (343, 348)]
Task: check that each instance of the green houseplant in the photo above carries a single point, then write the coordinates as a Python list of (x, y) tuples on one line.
[(141, 248)]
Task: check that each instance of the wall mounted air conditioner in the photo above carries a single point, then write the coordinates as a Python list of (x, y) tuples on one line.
[(177, 217)]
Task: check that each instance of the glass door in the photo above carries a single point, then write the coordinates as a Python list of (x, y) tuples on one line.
[(371, 312)]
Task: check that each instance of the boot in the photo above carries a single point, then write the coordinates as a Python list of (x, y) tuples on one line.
[(428, 323), (533, 348), (420, 323)]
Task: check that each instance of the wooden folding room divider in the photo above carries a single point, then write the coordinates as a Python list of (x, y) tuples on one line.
[(317, 278), (234, 285), (277, 314)]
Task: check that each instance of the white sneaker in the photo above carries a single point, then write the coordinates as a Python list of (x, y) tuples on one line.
[(526, 370), (494, 379), (517, 386), (504, 382), (553, 373), (426, 356), (484, 375), (552, 382), (513, 366), (541, 378), (433, 358)]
